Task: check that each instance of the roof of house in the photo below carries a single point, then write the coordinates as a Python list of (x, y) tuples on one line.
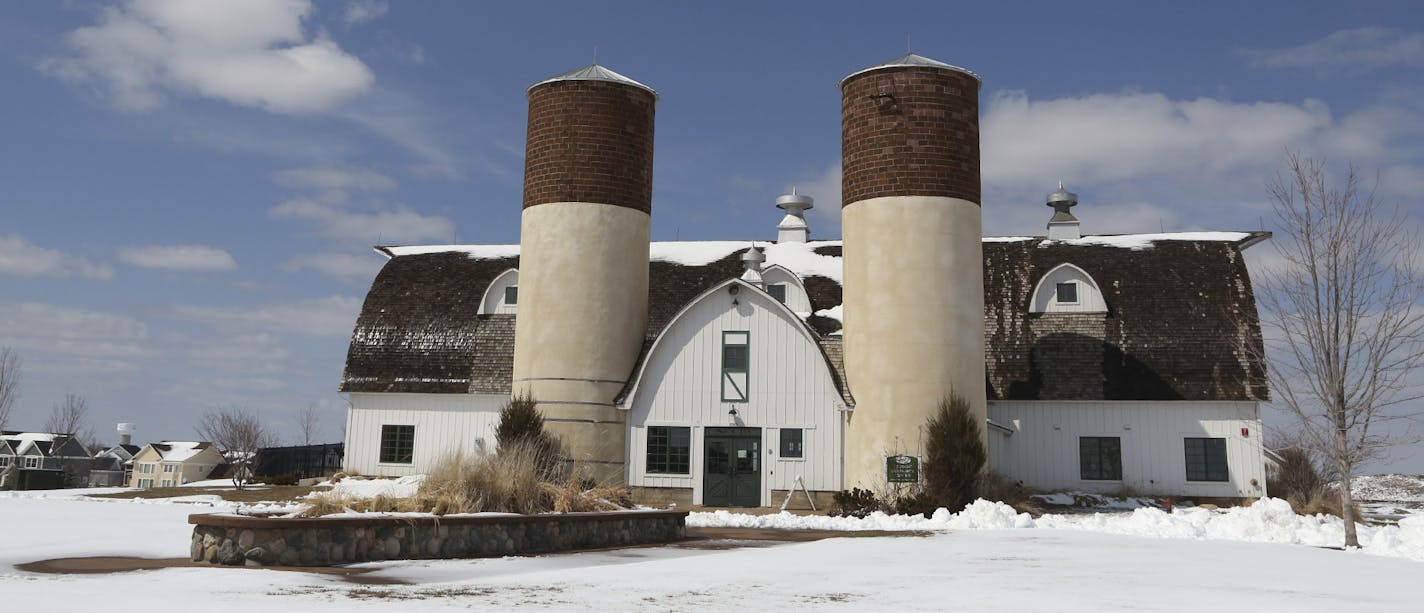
[(1181, 320), (179, 451), (42, 443)]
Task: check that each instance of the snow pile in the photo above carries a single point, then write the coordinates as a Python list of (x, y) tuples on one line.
[(1270, 520), (1388, 488), (361, 489), (1092, 501)]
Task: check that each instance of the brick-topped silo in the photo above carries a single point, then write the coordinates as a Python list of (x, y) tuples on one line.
[(583, 265), (911, 225)]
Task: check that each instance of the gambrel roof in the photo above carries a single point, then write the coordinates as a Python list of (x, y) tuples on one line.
[(1181, 321)]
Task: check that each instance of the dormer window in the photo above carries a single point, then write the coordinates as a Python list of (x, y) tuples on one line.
[(1067, 289), (777, 291), (511, 295)]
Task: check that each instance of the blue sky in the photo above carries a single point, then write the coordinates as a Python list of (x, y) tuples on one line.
[(190, 192)]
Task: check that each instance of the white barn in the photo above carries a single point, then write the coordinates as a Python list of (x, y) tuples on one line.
[(730, 373)]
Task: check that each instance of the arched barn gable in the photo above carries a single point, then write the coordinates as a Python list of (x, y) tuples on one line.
[(683, 385)]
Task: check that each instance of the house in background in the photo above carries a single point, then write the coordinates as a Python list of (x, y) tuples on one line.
[(112, 466), (42, 461), (173, 463)]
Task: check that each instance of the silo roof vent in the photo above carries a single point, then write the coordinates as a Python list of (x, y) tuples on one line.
[(913, 60), (593, 72), (792, 228), (1063, 225)]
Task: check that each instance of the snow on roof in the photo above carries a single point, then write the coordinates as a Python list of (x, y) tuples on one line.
[(1006, 239), (179, 451), (1139, 242), (45, 437)]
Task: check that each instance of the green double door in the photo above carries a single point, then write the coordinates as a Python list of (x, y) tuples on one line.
[(731, 476)]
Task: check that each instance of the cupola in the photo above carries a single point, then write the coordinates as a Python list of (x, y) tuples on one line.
[(792, 228), (1063, 225)]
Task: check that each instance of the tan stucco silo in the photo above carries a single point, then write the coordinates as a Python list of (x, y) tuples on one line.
[(913, 260), (583, 268)]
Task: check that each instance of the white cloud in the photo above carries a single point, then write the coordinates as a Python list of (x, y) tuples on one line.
[(361, 11), (246, 52), (339, 265), (401, 224), (1354, 50), (242, 353), (331, 316), (55, 338), (1131, 135), (21, 257), (178, 257), (335, 179), (824, 218)]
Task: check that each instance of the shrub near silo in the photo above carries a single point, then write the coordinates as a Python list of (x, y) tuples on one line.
[(522, 427), (954, 455)]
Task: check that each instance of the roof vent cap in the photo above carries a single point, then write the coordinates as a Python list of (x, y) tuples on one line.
[(793, 228), (1063, 225)]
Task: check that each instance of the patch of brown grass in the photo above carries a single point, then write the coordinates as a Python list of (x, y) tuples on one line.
[(515, 480)]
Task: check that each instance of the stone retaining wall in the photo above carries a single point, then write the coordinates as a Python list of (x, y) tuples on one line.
[(237, 540)]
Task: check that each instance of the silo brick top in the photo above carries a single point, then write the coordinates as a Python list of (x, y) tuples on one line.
[(910, 128), (590, 140)]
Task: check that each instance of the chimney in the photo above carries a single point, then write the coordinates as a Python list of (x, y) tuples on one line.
[(752, 260), (1063, 226), (126, 431), (792, 228)]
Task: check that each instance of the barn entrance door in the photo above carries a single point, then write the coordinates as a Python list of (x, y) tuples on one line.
[(732, 475)]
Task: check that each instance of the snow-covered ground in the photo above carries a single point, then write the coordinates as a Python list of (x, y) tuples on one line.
[(986, 558)]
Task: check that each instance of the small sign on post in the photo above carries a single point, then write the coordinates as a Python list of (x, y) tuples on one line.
[(902, 469)]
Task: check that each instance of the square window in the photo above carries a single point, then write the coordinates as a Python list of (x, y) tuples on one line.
[(734, 358), (669, 449), (777, 291), (511, 294), (1100, 458), (1206, 459), (791, 443), (32, 462), (397, 444), (1067, 293)]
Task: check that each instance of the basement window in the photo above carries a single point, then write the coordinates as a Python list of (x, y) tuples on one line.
[(397, 444), (777, 291), (669, 450), (1100, 458), (1206, 459), (1066, 293), (511, 295)]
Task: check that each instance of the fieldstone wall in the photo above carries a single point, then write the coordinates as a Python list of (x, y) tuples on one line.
[(236, 540)]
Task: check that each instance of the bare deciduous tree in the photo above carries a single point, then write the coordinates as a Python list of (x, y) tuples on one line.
[(239, 435), (9, 382), (71, 417), (309, 423), (1343, 305)]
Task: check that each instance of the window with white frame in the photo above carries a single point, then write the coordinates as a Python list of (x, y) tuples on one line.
[(777, 291), (167, 483), (145, 483), (736, 364), (4, 461), (147, 469), (1066, 293), (169, 468), (511, 295), (32, 462)]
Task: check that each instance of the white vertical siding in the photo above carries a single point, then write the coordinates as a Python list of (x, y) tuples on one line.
[(1043, 452), (1090, 298), (790, 386), (443, 423)]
